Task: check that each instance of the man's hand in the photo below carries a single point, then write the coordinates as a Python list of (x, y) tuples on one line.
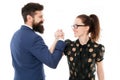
[(59, 34)]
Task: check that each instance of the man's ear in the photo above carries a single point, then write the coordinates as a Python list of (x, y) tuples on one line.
[(29, 18)]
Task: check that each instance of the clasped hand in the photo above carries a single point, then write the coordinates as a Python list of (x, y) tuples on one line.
[(59, 34)]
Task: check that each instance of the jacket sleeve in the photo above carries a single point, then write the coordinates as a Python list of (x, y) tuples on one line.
[(40, 50)]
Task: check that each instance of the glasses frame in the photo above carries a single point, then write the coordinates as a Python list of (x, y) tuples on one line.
[(75, 26)]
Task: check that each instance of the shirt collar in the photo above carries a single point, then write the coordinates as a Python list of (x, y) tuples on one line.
[(28, 26)]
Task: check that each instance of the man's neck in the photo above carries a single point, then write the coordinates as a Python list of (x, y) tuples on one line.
[(28, 26)]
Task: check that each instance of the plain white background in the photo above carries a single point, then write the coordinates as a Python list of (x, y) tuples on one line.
[(60, 14)]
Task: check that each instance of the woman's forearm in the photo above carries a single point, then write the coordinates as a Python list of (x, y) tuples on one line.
[(53, 46), (100, 71)]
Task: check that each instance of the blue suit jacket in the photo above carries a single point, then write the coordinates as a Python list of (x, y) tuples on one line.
[(29, 52)]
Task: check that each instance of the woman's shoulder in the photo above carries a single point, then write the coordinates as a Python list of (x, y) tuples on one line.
[(99, 49), (69, 41), (98, 46)]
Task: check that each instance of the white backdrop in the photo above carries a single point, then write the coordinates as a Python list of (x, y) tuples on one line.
[(60, 14)]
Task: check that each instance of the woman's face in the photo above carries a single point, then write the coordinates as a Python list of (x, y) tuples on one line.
[(79, 28)]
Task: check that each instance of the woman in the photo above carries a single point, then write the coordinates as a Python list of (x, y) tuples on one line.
[(85, 54)]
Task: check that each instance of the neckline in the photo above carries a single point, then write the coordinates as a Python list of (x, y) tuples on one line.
[(83, 44)]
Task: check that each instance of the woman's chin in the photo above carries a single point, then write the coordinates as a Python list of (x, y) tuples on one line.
[(75, 36)]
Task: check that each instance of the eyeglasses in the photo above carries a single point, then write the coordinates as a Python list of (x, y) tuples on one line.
[(75, 26)]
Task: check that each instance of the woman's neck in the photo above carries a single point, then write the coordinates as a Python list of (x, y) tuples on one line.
[(83, 39)]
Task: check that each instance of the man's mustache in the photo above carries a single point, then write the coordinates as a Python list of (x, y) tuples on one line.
[(40, 23)]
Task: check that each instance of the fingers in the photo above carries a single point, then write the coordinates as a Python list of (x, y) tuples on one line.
[(59, 34)]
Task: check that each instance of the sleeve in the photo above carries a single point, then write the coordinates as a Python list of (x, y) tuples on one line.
[(42, 53), (67, 47), (100, 53)]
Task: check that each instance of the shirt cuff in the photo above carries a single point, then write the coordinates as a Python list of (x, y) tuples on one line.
[(61, 39)]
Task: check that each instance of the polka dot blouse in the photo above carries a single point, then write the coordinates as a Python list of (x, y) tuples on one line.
[(82, 59)]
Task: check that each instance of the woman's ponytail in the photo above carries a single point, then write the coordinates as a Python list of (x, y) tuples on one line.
[(94, 27)]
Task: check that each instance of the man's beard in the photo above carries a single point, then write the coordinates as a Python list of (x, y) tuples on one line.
[(38, 27)]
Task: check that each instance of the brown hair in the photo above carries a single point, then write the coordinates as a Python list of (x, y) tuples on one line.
[(93, 22), (30, 8)]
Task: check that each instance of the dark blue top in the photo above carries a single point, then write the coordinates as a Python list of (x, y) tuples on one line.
[(29, 53)]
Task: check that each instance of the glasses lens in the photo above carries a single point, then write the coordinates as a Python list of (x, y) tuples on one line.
[(74, 26)]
